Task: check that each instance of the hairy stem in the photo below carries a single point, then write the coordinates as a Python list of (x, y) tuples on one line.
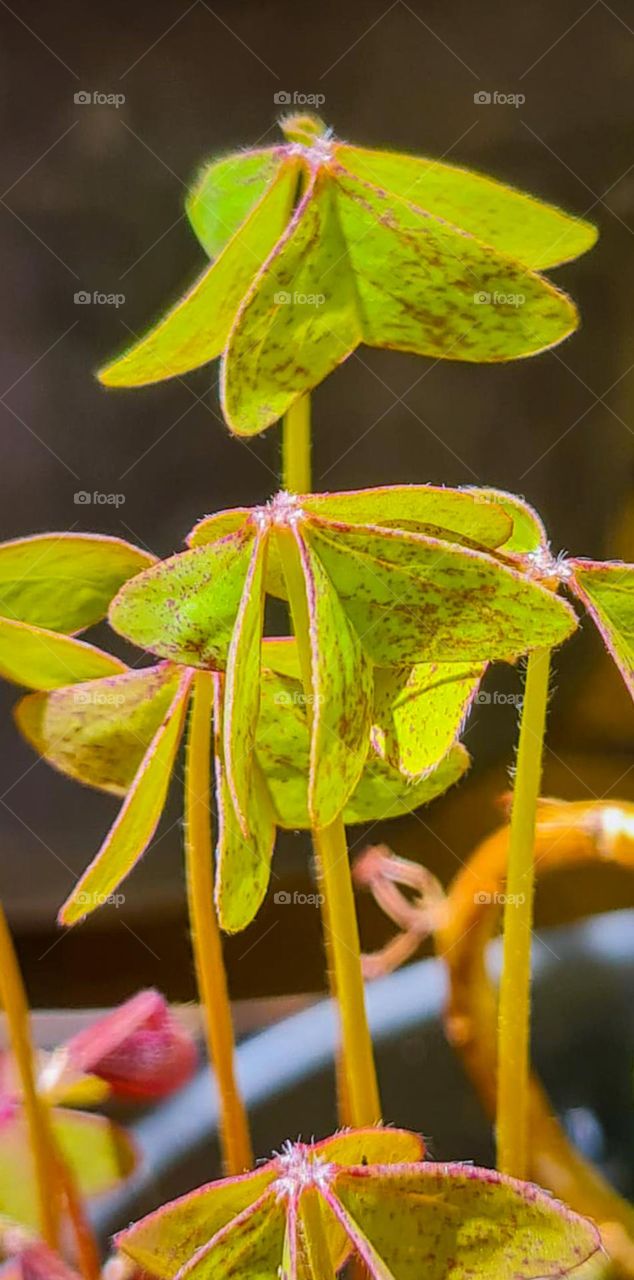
[(206, 941), (340, 920), (296, 450), (514, 1001), (16, 1007)]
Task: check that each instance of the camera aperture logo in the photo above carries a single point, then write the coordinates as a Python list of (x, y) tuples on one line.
[(95, 98), (483, 299), (82, 498), (284, 299), (93, 900), (483, 98), (485, 899)]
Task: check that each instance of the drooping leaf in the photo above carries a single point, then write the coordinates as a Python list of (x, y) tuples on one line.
[(528, 532), (185, 608), (419, 712), (342, 692), (99, 1153), (140, 1049), (100, 731), (457, 1220), (516, 224), (384, 793), (299, 320), (426, 287), (242, 684), (226, 191), (243, 862), (41, 659), (197, 328), (164, 1241), (65, 581), (423, 508), (415, 599), (607, 591), (130, 835)]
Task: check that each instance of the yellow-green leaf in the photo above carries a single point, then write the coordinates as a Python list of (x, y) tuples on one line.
[(130, 835), (420, 711), (452, 514), (197, 328), (607, 591), (65, 581), (242, 684), (41, 659), (99, 732), (384, 793), (225, 193)]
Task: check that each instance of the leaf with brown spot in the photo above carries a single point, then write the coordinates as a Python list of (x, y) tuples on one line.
[(607, 591)]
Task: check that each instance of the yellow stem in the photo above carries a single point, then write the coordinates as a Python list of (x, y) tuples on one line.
[(205, 934), (514, 1000), (296, 475), (361, 1092), (15, 1005)]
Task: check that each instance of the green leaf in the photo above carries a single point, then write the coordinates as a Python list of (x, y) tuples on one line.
[(425, 287), (607, 591), (99, 732), (383, 793), (99, 1153), (197, 328), (342, 692), (279, 654), (251, 1246), (164, 1241), (243, 863), (451, 514), (371, 1146), (420, 711), (528, 532), (42, 659), (65, 581), (414, 599), (217, 526), (130, 835), (456, 1221), (185, 608), (299, 320), (225, 193), (242, 685), (516, 224)]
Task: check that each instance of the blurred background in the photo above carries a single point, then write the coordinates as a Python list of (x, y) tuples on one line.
[(92, 202)]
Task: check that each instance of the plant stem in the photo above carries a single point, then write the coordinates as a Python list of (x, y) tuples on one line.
[(514, 1000), (16, 1007), (205, 933), (339, 917), (296, 470)]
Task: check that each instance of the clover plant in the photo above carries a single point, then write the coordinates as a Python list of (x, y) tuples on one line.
[(397, 599)]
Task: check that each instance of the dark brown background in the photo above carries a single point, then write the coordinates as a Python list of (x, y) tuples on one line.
[(93, 200)]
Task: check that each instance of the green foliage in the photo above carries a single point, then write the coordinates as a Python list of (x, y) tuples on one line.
[(607, 591), (319, 246), (393, 1213)]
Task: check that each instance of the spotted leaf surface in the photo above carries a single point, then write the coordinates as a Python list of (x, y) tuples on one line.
[(226, 191), (185, 608), (416, 599), (384, 793), (41, 659), (243, 862), (342, 692), (527, 532), (299, 321), (419, 712), (607, 591), (197, 328), (453, 514), (242, 685), (130, 835), (65, 581), (99, 732)]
